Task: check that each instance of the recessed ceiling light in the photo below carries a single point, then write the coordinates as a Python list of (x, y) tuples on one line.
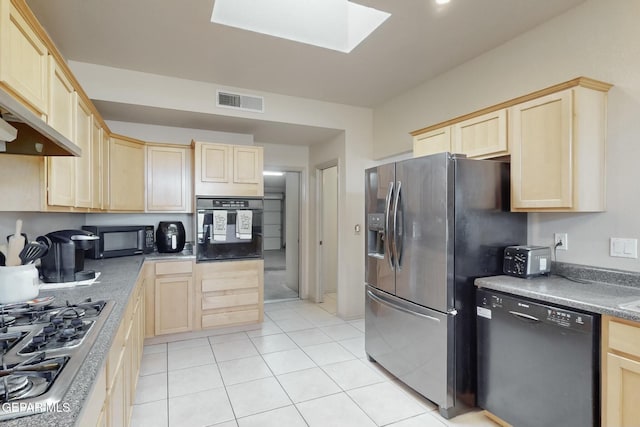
[(442, 1), (333, 24), (272, 173)]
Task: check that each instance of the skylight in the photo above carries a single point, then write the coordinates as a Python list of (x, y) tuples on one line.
[(333, 24)]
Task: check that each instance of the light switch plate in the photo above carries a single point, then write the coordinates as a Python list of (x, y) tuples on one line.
[(623, 247)]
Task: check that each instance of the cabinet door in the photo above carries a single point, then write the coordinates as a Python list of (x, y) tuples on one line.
[(105, 169), (23, 59), (126, 175), (247, 165), (215, 163), (436, 141), (541, 147), (84, 163), (61, 171), (167, 179), (117, 410), (173, 305), (96, 165), (623, 391), (483, 136)]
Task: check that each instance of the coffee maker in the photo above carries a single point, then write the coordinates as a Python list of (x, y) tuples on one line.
[(65, 260)]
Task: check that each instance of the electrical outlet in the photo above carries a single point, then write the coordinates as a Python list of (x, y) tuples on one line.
[(562, 239)]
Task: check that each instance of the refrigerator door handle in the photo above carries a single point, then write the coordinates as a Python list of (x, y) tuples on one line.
[(400, 308), (388, 234), (398, 232)]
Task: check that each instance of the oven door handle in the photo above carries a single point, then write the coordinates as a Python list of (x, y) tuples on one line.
[(525, 317)]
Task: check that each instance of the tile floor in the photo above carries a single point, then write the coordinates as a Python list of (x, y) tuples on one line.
[(302, 367)]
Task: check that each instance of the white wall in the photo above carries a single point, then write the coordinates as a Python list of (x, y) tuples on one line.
[(598, 39)]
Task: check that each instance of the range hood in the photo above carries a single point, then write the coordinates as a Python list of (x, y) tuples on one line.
[(23, 132)]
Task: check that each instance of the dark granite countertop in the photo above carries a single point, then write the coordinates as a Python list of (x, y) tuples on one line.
[(595, 290), (116, 282)]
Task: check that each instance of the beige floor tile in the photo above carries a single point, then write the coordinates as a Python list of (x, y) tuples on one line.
[(385, 403), (273, 343), (155, 348), (281, 417), (234, 350), (358, 324), (331, 352), (293, 324), (308, 384), (352, 374), (153, 364), (152, 414), (343, 413), (190, 343), (204, 408), (193, 380), (189, 357), (309, 337), (355, 346), (424, 420), (151, 387), (342, 332), (257, 396), (266, 328), (217, 339), (243, 370), (283, 362)]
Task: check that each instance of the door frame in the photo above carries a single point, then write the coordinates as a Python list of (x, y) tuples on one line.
[(319, 288)]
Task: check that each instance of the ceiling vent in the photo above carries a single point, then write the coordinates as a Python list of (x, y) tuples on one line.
[(239, 101)]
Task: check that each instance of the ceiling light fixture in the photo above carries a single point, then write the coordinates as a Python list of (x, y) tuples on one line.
[(272, 173), (442, 1), (333, 24)]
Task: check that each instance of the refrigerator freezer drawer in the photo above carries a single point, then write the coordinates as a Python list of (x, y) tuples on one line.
[(409, 341)]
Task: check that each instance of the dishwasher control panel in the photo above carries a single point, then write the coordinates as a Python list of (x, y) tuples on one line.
[(489, 304)]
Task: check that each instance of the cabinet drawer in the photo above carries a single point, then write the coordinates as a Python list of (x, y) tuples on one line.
[(210, 302), (225, 280), (624, 337), (229, 318), (174, 267)]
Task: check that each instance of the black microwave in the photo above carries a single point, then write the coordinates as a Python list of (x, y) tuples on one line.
[(120, 240)]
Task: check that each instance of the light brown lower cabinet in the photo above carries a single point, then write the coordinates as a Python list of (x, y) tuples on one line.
[(173, 294), (229, 293), (620, 373), (111, 401)]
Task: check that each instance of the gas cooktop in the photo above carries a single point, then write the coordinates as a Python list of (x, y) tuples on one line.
[(42, 346)]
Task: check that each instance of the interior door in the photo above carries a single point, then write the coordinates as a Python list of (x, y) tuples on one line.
[(379, 183), (423, 214)]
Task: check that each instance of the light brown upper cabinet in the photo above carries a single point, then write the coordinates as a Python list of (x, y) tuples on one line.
[(168, 178), (482, 137), (61, 171), (105, 168), (97, 165), (558, 151), (24, 63), (126, 174), (84, 164), (228, 170), (431, 142)]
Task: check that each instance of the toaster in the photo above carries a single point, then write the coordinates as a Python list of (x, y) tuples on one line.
[(526, 261)]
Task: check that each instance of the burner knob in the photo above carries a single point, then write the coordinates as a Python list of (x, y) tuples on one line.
[(77, 323), (57, 321), (49, 330), (38, 340), (68, 333)]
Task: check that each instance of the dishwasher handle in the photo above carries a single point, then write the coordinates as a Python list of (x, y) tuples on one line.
[(523, 316)]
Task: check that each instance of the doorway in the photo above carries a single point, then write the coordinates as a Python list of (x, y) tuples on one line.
[(329, 239), (281, 228)]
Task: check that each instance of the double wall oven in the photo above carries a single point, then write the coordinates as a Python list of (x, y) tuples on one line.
[(228, 228)]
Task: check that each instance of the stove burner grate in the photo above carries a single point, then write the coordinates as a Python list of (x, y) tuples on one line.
[(14, 387)]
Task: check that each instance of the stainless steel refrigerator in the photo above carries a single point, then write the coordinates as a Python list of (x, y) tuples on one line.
[(434, 224)]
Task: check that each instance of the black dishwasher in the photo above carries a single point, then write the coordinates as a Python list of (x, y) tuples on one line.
[(538, 364)]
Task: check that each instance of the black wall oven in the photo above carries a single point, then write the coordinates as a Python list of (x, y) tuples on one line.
[(228, 228)]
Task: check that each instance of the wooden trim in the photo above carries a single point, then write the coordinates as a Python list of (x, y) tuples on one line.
[(496, 419), (579, 81)]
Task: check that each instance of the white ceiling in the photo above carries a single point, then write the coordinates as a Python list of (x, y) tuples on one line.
[(175, 38)]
